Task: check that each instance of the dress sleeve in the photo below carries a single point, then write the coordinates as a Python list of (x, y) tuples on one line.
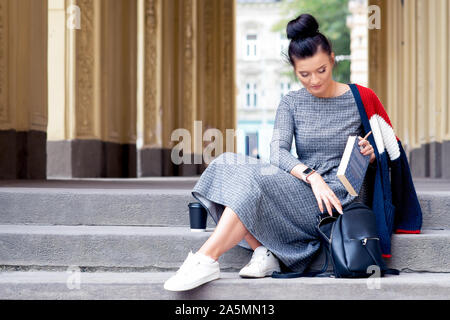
[(283, 132)]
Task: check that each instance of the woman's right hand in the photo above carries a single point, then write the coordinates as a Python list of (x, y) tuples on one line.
[(324, 193)]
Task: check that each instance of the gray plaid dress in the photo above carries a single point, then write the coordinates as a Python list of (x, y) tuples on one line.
[(277, 208)]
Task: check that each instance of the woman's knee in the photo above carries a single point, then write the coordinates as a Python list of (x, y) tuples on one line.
[(223, 158), (233, 218)]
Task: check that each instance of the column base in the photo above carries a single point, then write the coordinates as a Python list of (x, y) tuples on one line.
[(23, 154), (428, 161), (156, 162), (90, 159)]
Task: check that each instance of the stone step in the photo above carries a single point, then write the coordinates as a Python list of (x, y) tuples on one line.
[(165, 248), (156, 202), (149, 285), (146, 202)]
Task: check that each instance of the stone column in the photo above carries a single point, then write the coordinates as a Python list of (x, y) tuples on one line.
[(187, 71), (408, 70), (23, 89), (92, 103), (149, 122), (118, 87), (377, 52)]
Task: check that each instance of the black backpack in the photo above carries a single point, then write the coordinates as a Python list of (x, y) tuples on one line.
[(351, 241)]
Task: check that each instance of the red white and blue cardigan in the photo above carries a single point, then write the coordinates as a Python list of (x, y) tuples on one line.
[(395, 202)]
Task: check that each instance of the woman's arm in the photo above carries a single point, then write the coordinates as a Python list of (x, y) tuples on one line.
[(280, 156), (280, 145)]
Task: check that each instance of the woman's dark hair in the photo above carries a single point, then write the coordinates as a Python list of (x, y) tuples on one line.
[(305, 38)]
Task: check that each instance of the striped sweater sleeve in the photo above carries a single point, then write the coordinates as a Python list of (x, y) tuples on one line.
[(283, 132)]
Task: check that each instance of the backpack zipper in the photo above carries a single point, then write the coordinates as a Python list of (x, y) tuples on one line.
[(364, 241)]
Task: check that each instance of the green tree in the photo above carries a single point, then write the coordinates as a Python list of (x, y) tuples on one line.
[(331, 16)]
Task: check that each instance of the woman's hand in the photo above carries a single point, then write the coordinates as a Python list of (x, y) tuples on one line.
[(324, 193), (366, 147)]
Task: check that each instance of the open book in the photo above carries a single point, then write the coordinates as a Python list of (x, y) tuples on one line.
[(353, 166)]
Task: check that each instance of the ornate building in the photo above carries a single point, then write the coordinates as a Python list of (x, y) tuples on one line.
[(409, 69), (260, 74), (122, 77), (97, 88), (357, 22)]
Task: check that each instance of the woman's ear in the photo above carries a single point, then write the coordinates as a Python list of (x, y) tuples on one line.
[(333, 60)]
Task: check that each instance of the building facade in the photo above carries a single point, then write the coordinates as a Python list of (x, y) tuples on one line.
[(260, 75), (409, 69), (357, 23), (100, 88)]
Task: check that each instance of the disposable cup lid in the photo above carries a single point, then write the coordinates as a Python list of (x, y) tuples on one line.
[(195, 205)]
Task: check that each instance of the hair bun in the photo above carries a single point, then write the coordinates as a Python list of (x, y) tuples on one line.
[(304, 26)]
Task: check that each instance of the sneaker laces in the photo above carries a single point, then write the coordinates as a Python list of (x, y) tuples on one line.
[(258, 259)]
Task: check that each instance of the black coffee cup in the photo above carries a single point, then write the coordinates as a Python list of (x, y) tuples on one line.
[(197, 217)]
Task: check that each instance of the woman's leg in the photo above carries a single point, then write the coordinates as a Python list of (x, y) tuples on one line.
[(228, 233), (251, 240)]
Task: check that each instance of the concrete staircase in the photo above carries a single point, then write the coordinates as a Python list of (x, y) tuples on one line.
[(121, 239)]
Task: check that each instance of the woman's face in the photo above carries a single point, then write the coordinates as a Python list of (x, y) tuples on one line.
[(315, 71)]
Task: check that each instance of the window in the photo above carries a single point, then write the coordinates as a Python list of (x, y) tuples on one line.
[(251, 46), (251, 95), (251, 144), (285, 87)]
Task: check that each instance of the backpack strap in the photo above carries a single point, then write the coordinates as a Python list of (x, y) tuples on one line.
[(287, 275), (383, 269), (390, 271)]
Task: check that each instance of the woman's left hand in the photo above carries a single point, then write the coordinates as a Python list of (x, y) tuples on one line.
[(366, 149)]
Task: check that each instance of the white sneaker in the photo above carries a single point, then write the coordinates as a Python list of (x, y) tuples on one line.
[(196, 270), (263, 263)]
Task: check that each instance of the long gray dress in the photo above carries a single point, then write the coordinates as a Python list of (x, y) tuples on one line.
[(277, 208)]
